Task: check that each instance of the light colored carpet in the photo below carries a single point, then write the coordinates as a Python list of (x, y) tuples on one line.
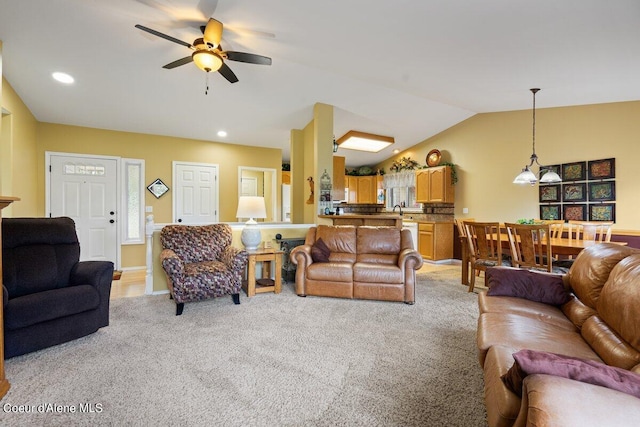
[(273, 360)]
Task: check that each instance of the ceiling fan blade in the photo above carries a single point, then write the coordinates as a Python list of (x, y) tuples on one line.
[(227, 73), (248, 58), (212, 32), (164, 36), (207, 7), (179, 62)]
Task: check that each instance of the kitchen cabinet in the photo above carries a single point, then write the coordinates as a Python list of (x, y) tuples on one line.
[(338, 178), (434, 185), (435, 240), (364, 189), (286, 177)]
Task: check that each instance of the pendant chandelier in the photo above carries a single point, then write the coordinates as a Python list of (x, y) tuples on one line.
[(527, 176)]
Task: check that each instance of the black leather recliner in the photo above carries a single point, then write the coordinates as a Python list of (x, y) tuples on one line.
[(49, 296)]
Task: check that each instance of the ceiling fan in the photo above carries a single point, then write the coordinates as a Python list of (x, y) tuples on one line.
[(208, 54)]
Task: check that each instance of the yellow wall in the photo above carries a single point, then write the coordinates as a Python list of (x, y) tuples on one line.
[(490, 149), (18, 154)]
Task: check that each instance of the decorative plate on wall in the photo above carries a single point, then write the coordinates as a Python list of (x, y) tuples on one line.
[(433, 158)]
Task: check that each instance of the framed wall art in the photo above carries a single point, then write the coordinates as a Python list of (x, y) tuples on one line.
[(549, 193), (602, 212), (157, 188), (574, 212), (602, 191), (574, 192), (574, 171), (602, 169), (550, 211)]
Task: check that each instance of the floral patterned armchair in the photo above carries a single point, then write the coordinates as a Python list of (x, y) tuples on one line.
[(200, 263)]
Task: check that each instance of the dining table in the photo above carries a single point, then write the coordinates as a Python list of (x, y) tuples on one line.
[(559, 246)]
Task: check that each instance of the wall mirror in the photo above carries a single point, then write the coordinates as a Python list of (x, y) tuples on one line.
[(260, 182)]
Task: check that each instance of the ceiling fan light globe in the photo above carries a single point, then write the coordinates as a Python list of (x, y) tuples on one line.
[(206, 60)]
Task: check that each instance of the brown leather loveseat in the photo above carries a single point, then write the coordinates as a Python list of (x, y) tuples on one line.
[(599, 324), (376, 263)]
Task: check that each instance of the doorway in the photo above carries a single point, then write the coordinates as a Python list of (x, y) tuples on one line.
[(84, 188)]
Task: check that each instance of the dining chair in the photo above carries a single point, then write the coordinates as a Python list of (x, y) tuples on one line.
[(462, 234), (556, 227), (530, 247), (598, 231), (485, 248)]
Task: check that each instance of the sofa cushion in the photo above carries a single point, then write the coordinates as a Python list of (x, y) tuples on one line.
[(529, 362), (591, 270), (377, 273), (521, 306), (378, 240), (49, 305), (530, 285), (331, 272), (619, 300), (320, 252), (341, 238)]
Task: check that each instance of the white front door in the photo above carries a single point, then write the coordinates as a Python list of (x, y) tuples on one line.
[(195, 193), (84, 188)]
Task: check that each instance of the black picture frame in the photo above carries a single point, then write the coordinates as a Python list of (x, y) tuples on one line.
[(549, 193), (157, 188), (574, 192), (550, 212), (602, 212), (602, 191), (577, 212), (602, 169), (576, 171)]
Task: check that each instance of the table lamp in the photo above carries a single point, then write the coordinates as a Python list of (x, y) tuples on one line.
[(251, 207)]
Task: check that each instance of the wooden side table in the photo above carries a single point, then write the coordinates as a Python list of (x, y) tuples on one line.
[(252, 285)]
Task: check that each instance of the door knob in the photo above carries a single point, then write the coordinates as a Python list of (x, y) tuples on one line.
[(179, 219), (112, 221)]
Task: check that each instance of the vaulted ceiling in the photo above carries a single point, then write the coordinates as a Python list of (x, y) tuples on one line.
[(405, 68)]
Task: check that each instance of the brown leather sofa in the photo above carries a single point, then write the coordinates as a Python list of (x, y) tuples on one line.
[(376, 263), (600, 322)]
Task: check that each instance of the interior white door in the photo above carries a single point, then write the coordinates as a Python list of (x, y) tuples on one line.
[(85, 189), (195, 193)]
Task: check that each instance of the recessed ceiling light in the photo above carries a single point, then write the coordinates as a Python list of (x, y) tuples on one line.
[(396, 151), (63, 77), (222, 133)]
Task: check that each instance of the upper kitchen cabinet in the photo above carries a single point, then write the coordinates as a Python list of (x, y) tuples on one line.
[(435, 185), (365, 189), (339, 183)]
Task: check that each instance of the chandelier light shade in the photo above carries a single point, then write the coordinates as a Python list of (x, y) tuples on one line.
[(354, 140), (251, 207), (527, 176), (206, 60)]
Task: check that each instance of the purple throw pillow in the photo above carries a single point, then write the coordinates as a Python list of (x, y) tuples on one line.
[(535, 286), (529, 362), (320, 252)]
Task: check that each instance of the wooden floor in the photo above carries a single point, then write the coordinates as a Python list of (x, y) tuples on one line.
[(132, 283)]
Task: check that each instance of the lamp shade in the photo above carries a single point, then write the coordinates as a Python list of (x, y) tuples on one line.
[(206, 60), (251, 207)]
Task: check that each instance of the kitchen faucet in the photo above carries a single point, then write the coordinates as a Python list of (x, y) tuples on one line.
[(398, 206)]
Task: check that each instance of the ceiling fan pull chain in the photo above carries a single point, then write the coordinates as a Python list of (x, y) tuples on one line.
[(206, 83)]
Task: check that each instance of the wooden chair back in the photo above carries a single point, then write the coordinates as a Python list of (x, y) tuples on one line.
[(529, 244), (556, 227), (485, 246), (597, 231)]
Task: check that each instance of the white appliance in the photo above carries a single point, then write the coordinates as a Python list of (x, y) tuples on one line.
[(413, 228), (286, 203)]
